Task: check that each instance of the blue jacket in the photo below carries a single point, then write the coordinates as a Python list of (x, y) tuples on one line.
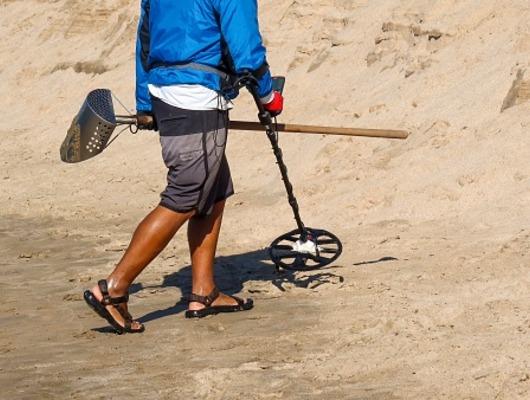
[(177, 32)]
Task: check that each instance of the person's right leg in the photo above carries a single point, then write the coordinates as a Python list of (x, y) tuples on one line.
[(150, 238)]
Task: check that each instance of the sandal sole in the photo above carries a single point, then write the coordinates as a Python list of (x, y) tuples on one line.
[(214, 310)]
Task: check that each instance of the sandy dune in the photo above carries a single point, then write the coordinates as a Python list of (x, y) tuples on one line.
[(428, 301)]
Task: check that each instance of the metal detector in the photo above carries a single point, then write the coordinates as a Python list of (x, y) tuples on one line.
[(302, 249)]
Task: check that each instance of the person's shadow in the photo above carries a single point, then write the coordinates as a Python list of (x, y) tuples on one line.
[(231, 273)]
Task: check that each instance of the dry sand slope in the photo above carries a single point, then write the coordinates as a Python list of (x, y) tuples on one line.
[(429, 300)]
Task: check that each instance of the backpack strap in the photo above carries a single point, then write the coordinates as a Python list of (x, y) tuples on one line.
[(192, 65)]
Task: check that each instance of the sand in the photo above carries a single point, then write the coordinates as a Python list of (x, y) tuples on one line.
[(429, 299)]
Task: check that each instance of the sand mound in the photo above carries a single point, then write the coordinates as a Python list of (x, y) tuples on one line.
[(452, 74)]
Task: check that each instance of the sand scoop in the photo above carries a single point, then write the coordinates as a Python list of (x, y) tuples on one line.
[(301, 249), (92, 128)]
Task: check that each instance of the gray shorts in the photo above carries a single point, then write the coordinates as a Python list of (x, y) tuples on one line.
[(193, 150)]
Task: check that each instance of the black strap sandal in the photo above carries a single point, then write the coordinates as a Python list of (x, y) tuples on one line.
[(242, 305), (100, 308)]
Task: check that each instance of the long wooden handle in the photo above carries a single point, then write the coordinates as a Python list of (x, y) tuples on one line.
[(322, 130)]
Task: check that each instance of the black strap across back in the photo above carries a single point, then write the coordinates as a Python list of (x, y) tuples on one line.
[(206, 300), (107, 300)]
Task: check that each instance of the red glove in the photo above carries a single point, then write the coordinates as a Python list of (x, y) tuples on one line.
[(275, 106)]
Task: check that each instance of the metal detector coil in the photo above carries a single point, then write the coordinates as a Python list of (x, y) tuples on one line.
[(91, 128), (294, 252)]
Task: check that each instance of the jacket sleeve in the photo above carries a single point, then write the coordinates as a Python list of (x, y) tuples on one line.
[(143, 99), (240, 30)]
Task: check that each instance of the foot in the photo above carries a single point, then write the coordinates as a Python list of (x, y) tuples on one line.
[(214, 303), (222, 300), (135, 325)]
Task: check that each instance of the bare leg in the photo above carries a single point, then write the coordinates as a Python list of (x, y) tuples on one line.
[(150, 238), (203, 234)]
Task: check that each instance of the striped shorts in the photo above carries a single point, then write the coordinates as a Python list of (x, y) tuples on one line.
[(193, 149)]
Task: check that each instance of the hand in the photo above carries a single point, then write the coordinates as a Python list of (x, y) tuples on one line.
[(146, 120), (275, 106)]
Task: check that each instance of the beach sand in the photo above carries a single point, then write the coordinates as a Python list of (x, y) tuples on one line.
[(430, 297)]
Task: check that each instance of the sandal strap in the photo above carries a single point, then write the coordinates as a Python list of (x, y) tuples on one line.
[(239, 300), (206, 300), (127, 317), (107, 299), (128, 326)]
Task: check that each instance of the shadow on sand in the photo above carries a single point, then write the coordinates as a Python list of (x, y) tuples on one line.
[(231, 273)]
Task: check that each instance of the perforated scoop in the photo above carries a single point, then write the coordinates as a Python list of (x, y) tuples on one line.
[(91, 129)]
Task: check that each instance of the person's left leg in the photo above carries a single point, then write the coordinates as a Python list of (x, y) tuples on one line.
[(203, 235)]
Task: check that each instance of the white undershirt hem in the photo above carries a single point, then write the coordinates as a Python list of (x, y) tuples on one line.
[(190, 97)]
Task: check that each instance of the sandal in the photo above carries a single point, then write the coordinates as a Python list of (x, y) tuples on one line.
[(100, 308), (242, 305)]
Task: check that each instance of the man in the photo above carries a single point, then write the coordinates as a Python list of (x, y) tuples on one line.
[(188, 53)]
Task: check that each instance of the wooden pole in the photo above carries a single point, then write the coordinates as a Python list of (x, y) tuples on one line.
[(322, 130)]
